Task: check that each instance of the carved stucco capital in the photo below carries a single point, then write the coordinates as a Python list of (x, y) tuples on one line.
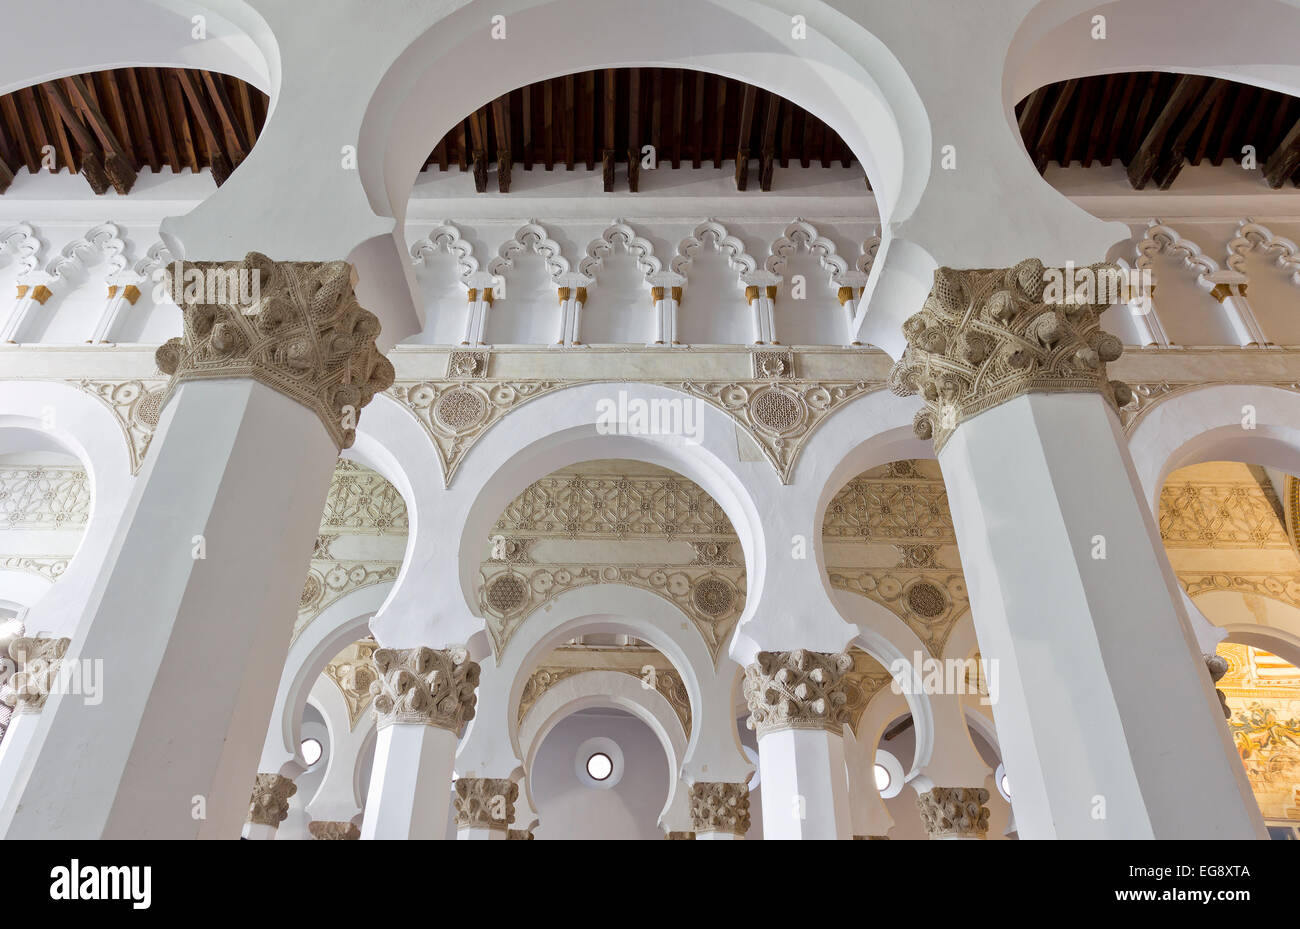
[(37, 660), (485, 802), (1217, 665), (985, 336), (269, 805), (520, 834), (327, 830), (797, 690), (678, 835), (719, 806), (294, 326), (425, 686), (954, 812)]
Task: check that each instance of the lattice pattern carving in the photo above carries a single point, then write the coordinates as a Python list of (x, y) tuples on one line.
[(44, 497)]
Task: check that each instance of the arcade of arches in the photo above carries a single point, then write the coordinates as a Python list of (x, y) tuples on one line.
[(530, 469)]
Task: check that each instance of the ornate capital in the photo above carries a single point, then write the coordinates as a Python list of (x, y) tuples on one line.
[(433, 687), (38, 661), (678, 835), (324, 829), (294, 326), (719, 806), (522, 834), (1217, 665), (954, 812), (485, 802), (987, 335), (270, 801), (797, 690)]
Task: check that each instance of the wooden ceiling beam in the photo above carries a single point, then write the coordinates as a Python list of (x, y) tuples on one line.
[(478, 148), (634, 130), (140, 120), (119, 167), (746, 130), (720, 127), (220, 161), (157, 108), (1285, 159), (1173, 154), (767, 153), (548, 125), (237, 143), (679, 111), (1147, 159), (6, 176), (697, 122), (526, 125), (1043, 148), (26, 153), (501, 128), (64, 118), (179, 119)]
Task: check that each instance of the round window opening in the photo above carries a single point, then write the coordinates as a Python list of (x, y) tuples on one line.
[(311, 751), (600, 766), (1006, 786), (883, 778)]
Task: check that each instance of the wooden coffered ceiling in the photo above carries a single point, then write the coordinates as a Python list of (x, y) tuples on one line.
[(109, 125), (1153, 123)]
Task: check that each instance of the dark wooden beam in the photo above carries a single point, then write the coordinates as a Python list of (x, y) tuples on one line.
[(501, 127), (679, 110), (767, 152), (526, 125), (697, 121), (570, 122), (1144, 163), (140, 119), (119, 167), (6, 176), (65, 117), (634, 129), (1116, 124), (156, 107), (609, 111), (218, 159), (1285, 159), (548, 125), (27, 153), (1173, 154), (1043, 148), (31, 109), (721, 127), (478, 148), (897, 729), (180, 120), (1095, 121), (236, 141), (746, 130)]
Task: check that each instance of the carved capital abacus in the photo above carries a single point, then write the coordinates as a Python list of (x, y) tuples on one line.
[(954, 812), (294, 326), (38, 660), (269, 805), (485, 802), (719, 806), (985, 336), (425, 686), (797, 690)]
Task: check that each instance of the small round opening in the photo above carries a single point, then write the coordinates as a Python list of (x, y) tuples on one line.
[(1006, 786), (311, 751), (600, 766), (883, 778)]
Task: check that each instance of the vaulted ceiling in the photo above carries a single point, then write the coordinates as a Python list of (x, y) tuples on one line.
[(109, 125)]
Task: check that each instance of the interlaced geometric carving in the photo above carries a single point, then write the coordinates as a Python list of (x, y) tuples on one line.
[(718, 806), (955, 812), (433, 687), (797, 690)]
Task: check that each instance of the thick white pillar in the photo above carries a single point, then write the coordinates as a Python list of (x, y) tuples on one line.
[(796, 704), (1075, 605), (485, 807), (192, 611), (425, 697), (719, 810)]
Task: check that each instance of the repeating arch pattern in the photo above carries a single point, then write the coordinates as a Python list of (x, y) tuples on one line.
[(619, 234), (1251, 236), (446, 239)]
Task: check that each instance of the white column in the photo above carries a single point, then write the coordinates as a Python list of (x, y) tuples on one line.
[(191, 616), (425, 698), (32, 289), (1245, 326), (120, 295), (796, 706), (1151, 330), (1075, 605)]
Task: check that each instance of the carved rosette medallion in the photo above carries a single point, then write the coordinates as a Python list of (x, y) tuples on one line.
[(425, 686), (269, 805), (985, 336), (485, 802), (326, 830), (38, 661), (954, 812), (718, 806), (797, 690), (294, 326)]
